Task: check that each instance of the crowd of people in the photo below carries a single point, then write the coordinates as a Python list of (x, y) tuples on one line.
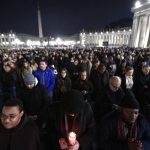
[(97, 97)]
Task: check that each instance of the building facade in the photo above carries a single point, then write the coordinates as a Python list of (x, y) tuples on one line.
[(23, 41), (111, 38), (7, 40), (141, 24), (18, 41)]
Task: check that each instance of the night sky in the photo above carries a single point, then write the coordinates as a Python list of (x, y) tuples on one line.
[(61, 17)]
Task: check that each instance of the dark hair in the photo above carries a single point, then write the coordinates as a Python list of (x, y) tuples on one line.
[(83, 70), (63, 69), (96, 60), (14, 102), (43, 60), (101, 66), (145, 66), (129, 68)]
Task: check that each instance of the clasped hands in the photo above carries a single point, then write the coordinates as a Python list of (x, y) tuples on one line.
[(65, 146)]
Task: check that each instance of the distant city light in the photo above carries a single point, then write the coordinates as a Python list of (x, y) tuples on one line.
[(5, 43), (45, 43), (33, 43), (59, 41), (29, 43), (130, 30), (36, 43), (69, 43), (137, 4), (78, 42), (17, 42)]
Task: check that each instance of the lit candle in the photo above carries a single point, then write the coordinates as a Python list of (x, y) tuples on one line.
[(72, 138)]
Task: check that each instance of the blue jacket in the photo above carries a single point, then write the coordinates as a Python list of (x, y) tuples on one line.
[(46, 78)]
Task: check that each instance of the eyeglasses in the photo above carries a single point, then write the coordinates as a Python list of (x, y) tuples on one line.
[(115, 87), (10, 117)]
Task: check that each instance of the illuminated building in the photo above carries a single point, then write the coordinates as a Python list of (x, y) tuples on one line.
[(110, 38), (141, 24)]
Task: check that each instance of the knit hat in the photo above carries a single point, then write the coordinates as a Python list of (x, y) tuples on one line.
[(29, 79), (73, 101), (129, 101)]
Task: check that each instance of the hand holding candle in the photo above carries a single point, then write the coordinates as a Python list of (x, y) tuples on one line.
[(72, 138)]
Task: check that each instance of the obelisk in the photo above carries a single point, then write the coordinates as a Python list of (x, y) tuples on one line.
[(39, 21)]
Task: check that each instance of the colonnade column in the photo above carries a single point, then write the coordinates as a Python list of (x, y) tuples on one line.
[(145, 42)]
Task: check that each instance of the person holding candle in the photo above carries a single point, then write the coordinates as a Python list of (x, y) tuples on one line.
[(71, 123)]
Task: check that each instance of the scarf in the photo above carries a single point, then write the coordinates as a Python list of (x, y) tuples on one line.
[(124, 131)]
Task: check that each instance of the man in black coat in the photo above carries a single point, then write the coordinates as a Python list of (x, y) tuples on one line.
[(72, 115), (109, 97), (8, 80), (142, 84), (99, 78), (17, 132), (125, 129), (84, 85), (34, 98)]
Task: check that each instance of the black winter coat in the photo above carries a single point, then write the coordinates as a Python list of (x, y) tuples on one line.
[(99, 80), (62, 86), (85, 87), (105, 101), (83, 127), (8, 80), (24, 137), (34, 100), (108, 135)]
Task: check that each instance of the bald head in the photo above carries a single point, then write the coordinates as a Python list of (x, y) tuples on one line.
[(114, 83)]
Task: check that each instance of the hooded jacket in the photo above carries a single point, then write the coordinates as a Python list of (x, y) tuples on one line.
[(83, 126)]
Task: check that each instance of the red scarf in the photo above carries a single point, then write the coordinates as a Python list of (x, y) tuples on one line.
[(124, 132)]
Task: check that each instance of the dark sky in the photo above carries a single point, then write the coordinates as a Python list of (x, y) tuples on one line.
[(61, 17)]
